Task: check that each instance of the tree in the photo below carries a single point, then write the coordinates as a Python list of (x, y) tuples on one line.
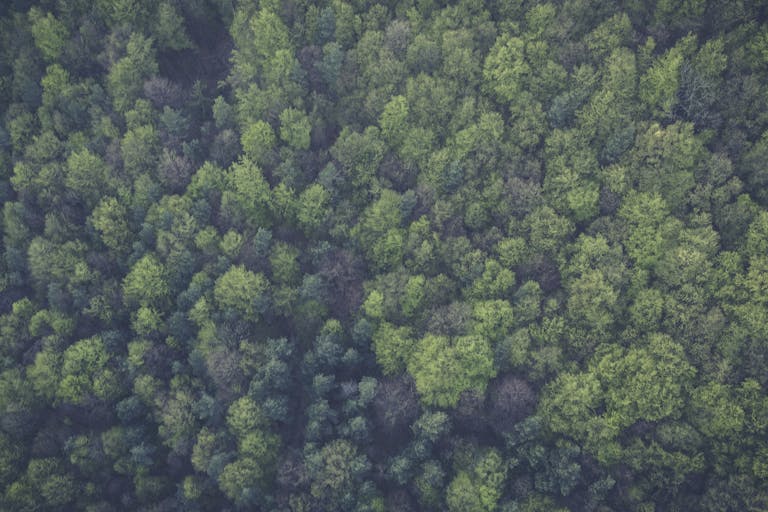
[(169, 28), (493, 319), (509, 74), (547, 230), (258, 142), (177, 419), (570, 164), (506, 67), (244, 416), (443, 368), (650, 229), (242, 292), (592, 301), (359, 154), (126, 76), (659, 85), (109, 219), (609, 115), (44, 484), (395, 406), (336, 471), (378, 229), (146, 283), (50, 34), (511, 400), (45, 373), (258, 37), (88, 177), (313, 209), (480, 489), (656, 378), (664, 161), (247, 196), (393, 347), (642, 383), (715, 412), (393, 121), (496, 282), (413, 295), (244, 480), (295, 128), (140, 149), (283, 261), (86, 373)]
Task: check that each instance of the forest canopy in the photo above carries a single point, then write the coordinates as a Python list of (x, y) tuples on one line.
[(414, 255)]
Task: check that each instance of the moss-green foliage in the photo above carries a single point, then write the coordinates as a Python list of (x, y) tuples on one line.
[(85, 372), (126, 76), (479, 489), (443, 368), (371, 256), (240, 290)]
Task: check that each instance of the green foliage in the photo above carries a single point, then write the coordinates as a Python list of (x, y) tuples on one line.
[(493, 319), (295, 128), (335, 471), (243, 416), (88, 177), (50, 34), (443, 368), (642, 383), (241, 291), (393, 346), (109, 219), (378, 231), (146, 283), (359, 154), (649, 227), (664, 162), (169, 28), (715, 412), (547, 229), (140, 150), (413, 295), (357, 256), (237, 481), (592, 301), (45, 373), (283, 260), (248, 194), (652, 382), (86, 373), (258, 37), (126, 76), (258, 141), (659, 85), (393, 121), (480, 489), (313, 208), (506, 67)]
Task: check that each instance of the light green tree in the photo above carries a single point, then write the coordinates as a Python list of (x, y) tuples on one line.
[(241, 291), (443, 368), (86, 373), (146, 283), (313, 208), (393, 346), (258, 142), (295, 128), (479, 488), (50, 34), (126, 76)]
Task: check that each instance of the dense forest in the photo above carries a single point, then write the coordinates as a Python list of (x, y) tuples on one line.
[(416, 255)]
